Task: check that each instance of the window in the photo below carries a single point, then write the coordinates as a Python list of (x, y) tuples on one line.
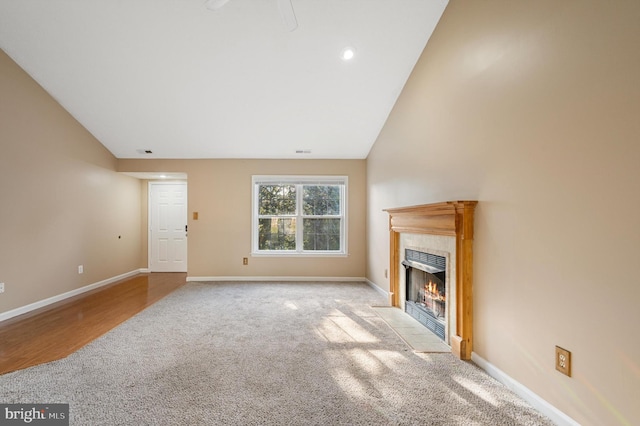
[(299, 215)]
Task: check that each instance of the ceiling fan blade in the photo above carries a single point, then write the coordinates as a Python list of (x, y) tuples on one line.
[(287, 14), (216, 4)]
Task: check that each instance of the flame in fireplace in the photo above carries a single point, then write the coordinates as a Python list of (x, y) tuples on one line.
[(431, 292)]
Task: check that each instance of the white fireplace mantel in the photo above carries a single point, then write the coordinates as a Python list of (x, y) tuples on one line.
[(451, 218)]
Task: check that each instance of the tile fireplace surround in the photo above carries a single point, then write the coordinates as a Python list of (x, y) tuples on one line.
[(449, 219)]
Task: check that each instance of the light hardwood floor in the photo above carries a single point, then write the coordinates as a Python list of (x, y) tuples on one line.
[(58, 330)]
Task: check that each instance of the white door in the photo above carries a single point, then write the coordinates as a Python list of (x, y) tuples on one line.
[(168, 227)]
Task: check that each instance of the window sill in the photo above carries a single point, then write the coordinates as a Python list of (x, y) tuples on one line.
[(296, 254)]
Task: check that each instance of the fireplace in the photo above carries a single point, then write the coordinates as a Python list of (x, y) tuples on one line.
[(426, 290), (445, 228)]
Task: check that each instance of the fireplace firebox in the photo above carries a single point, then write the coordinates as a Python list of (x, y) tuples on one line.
[(426, 292)]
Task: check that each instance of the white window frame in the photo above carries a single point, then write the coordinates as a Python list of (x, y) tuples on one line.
[(256, 180)]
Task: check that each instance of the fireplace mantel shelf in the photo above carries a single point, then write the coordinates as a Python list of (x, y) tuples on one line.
[(454, 219)]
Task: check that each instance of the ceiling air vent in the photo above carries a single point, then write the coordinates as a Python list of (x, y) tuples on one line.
[(303, 151)]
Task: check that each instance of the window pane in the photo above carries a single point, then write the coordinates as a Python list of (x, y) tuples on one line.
[(321, 234), (319, 200), (276, 234), (277, 199)]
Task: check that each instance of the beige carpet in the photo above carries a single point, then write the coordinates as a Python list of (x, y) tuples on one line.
[(265, 354)]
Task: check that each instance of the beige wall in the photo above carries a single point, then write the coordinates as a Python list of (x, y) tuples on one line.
[(220, 191), (533, 109), (62, 203)]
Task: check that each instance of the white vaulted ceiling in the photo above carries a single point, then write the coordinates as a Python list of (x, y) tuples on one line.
[(184, 81)]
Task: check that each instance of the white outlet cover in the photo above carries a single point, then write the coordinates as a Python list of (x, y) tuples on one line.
[(1, 287), (80, 269)]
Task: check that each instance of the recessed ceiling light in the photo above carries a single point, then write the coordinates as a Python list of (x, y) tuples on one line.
[(347, 53)]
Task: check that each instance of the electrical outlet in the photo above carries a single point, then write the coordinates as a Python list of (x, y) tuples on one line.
[(245, 260), (1, 287), (563, 361), (386, 273), (80, 269)]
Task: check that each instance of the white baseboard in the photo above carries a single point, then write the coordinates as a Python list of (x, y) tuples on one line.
[(380, 290), (42, 303), (283, 279), (556, 416)]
